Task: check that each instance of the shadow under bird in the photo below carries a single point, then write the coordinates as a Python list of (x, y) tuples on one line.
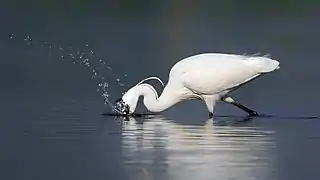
[(208, 77)]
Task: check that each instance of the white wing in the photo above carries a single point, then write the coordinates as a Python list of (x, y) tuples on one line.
[(213, 73)]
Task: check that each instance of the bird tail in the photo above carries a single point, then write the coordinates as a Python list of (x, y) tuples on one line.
[(263, 64)]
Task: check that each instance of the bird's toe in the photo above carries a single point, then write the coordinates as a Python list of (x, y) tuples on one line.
[(253, 113)]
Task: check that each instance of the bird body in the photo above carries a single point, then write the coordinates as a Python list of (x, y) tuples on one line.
[(208, 76)]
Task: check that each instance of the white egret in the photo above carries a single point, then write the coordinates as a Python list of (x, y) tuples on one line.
[(208, 77)]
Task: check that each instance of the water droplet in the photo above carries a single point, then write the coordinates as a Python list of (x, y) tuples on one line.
[(28, 39), (12, 35), (125, 75), (118, 80), (87, 45), (105, 94), (104, 85)]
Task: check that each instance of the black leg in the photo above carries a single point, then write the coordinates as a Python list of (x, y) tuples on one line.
[(246, 109), (210, 114), (240, 106)]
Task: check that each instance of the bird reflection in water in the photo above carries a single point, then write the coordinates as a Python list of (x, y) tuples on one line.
[(159, 148)]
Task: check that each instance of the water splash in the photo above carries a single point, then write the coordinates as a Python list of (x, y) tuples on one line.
[(84, 56)]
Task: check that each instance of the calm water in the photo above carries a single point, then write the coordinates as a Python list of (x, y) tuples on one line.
[(51, 125), (72, 141)]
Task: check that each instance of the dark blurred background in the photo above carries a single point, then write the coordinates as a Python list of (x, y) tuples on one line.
[(145, 38)]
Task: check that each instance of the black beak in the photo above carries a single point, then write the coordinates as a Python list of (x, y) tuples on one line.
[(121, 107)]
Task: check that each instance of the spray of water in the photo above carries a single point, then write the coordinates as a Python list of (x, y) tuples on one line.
[(85, 57)]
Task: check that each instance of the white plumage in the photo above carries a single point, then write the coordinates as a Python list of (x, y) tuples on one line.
[(209, 76)]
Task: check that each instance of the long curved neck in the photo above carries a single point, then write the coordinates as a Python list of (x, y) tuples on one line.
[(168, 98)]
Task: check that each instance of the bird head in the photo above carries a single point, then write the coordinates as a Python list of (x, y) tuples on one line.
[(126, 105)]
